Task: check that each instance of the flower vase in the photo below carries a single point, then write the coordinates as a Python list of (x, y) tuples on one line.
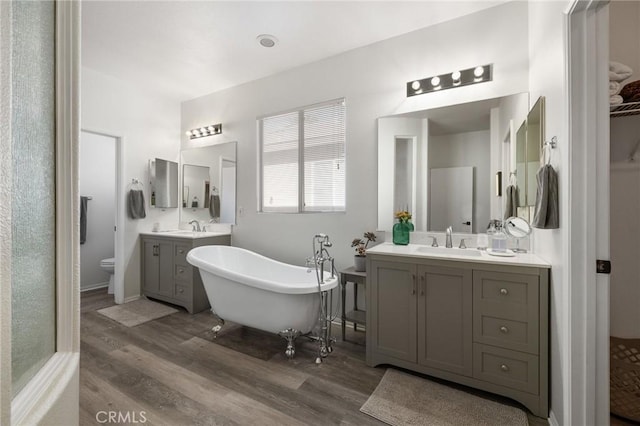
[(360, 263), (401, 233)]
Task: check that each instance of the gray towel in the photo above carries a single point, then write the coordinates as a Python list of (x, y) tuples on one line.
[(511, 201), (546, 212), (136, 204), (214, 206), (84, 204)]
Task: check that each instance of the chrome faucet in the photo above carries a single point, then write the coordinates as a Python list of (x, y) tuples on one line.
[(322, 255), (449, 243), (195, 226)]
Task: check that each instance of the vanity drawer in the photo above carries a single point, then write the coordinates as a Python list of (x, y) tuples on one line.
[(180, 254), (506, 333), (505, 295), (182, 292), (515, 370), (182, 273)]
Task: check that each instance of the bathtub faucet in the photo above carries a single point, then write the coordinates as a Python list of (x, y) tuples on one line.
[(321, 255)]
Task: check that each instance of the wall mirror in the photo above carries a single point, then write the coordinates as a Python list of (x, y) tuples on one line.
[(440, 164), (163, 180), (528, 151), (209, 184)]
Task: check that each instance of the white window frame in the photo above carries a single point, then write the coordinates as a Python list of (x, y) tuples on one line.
[(51, 396), (301, 208)]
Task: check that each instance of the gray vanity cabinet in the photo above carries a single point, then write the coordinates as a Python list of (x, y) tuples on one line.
[(479, 324), (423, 315), (444, 319), (166, 274), (391, 291)]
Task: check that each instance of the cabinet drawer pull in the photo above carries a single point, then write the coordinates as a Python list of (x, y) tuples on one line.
[(504, 329), (504, 291), (180, 290), (423, 285), (504, 367)]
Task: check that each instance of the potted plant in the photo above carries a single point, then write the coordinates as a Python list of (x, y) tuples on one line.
[(361, 245)]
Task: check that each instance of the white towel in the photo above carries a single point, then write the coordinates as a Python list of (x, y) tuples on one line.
[(615, 100), (614, 88), (618, 71)]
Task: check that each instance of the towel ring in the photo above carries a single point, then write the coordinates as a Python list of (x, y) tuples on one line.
[(137, 183)]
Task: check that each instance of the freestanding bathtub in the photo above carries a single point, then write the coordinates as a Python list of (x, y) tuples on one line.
[(253, 290)]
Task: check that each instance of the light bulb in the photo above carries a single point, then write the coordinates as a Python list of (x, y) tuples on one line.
[(435, 81), (415, 85), (455, 76), (203, 130), (211, 129), (188, 132), (478, 71)]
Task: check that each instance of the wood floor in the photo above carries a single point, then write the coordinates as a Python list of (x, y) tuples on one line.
[(171, 371)]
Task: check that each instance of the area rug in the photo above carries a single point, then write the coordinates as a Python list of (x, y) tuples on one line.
[(137, 312), (404, 399)]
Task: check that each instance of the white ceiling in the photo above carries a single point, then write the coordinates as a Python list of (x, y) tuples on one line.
[(186, 49)]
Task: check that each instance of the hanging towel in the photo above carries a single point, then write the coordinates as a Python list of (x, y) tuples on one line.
[(214, 206), (511, 201), (84, 203), (546, 214), (136, 204)]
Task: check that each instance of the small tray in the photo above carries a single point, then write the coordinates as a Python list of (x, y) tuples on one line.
[(507, 253)]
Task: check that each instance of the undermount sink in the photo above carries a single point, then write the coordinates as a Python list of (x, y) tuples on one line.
[(470, 252)]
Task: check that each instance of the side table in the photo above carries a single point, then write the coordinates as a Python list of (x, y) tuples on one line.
[(356, 316)]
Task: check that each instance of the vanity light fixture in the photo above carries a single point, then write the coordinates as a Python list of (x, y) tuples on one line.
[(213, 129), (478, 74)]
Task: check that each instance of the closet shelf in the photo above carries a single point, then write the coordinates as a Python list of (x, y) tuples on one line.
[(625, 109)]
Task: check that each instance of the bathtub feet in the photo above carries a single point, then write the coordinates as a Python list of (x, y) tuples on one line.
[(290, 336), (217, 328)]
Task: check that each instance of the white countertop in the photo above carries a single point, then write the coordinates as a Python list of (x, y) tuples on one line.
[(459, 255), (191, 235)]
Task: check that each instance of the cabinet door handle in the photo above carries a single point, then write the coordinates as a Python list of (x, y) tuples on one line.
[(181, 251), (413, 289), (504, 291), (155, 250), (180, 270), (504, 367), (422, 286), (504, 329), (180, 290)]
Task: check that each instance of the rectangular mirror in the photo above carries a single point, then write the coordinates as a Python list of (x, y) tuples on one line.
[(440, 164), (163, 177), (530, 138), (209, 184)]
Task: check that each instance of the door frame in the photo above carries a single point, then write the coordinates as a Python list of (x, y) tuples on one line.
[(587, 47), (118, 275)]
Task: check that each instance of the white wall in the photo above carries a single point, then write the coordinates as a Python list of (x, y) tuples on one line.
[(97, 180), (467, 149), (149, 127), (373, 80), (624, 33), (547, 67)]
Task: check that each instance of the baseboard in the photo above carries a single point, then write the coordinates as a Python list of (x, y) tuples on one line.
[(552, 419), (94, 286), (131, 299)]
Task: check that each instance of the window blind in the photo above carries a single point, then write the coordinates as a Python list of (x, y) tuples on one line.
[(303, 159)]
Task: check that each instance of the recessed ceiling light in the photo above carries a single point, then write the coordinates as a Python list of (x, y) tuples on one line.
[(267, 40)]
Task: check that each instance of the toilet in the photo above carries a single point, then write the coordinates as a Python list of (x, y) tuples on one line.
[(108, 265)]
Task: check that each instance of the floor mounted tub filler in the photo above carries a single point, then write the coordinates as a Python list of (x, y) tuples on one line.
[(252, 290)]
